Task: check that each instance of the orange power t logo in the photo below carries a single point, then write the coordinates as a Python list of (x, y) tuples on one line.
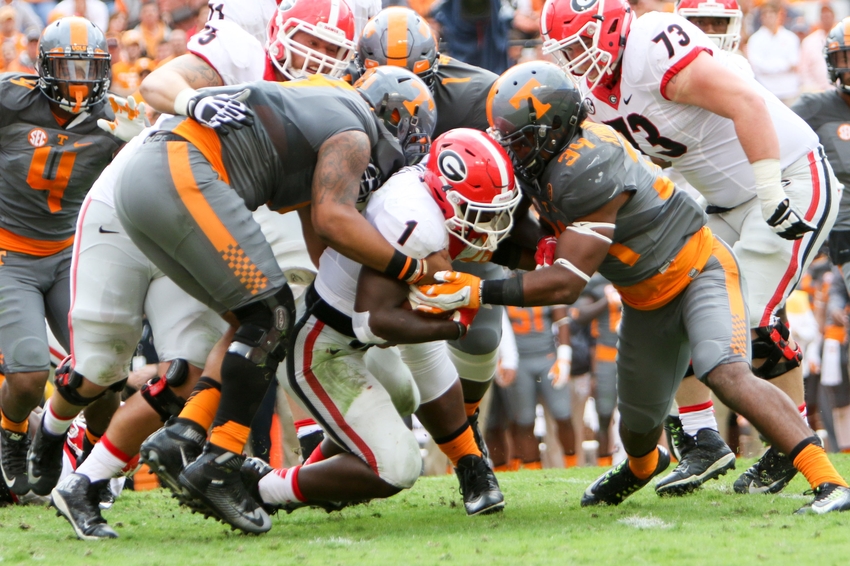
[(525, 93), (422, 97)]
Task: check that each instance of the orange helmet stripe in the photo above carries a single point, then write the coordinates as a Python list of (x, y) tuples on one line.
[(397, 37), (846, 23), (79, 32)]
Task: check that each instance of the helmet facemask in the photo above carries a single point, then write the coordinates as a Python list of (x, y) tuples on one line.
[(482, 226), (75, 81), (284, 49), (838, 63), (590, 64)]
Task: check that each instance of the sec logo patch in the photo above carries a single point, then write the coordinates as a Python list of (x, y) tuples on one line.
[(37, 137), (844, 132)]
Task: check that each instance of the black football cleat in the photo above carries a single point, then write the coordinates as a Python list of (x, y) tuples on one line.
[(479, 438), (77, 499), (170, 449), (13, 460), (479, 487), (615, 485), (829, 498), (44, 461), (215, 479), (770, 474), (701, 459)]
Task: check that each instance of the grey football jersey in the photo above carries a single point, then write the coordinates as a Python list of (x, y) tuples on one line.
[(829, 116), (651, 228), (45, 169), (460, 91), (604, 326), (272, 162), (532, 328)]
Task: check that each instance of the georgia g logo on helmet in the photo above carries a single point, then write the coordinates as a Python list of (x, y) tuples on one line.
[(582, 5), (451, 166)]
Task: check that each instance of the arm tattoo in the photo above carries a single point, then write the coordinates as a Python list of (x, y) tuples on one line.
[(197, 72), (342, 160)]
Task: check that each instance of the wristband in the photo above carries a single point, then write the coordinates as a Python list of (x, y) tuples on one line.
[(405, 268), (503, 292), (461, 330), (768, 178), (181, 101), (565, 352)]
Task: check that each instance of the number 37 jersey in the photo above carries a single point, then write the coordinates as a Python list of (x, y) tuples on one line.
[(701, 145), (45, 169)]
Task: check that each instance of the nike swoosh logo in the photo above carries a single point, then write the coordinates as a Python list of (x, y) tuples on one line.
[(84, 144), (102, 231), (627, 100), (9, 484)]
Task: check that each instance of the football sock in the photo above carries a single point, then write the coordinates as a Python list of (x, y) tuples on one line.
[(230, 436), (605, 461), (281, 486), (315, 456), (203, 403), (813, 463), (643, 466), (12, 426), (104, 462), (570, 460), (502, 468), (471, 406), (696, 417), (53, 423), (92, 437), (515, 464), (459, 444), (304, 427), (536, 465)]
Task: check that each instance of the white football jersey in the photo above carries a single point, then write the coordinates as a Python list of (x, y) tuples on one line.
[(252, 16), (701, 145), (405, 214), (235, 55)]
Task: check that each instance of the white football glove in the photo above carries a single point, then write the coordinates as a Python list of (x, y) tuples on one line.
[(129, 120), (776, 208), (559, 375)]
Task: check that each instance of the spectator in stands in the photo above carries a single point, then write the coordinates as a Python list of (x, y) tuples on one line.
[(475, 32), (125, 73), (7, 55), (25, 16), (42, 8), (26, 60), (130, 10), (117, 24), (178, 41), (93, 10), (813, 74), (774, 53), (8, 32), (152, 28)]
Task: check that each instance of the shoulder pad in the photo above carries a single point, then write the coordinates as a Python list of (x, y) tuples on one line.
[(17, 91), (235, 54)]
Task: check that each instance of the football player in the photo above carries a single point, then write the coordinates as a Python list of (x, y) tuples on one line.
[(460, 204), (401, 37), (683, 297), (663, 85), (51, 151)]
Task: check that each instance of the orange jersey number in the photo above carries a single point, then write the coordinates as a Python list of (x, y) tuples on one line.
[(525, 320), (46, 175)]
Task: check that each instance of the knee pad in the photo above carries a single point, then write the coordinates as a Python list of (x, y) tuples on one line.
[(403, 466), (67, 382), (484, 334), (474, 367), (771, 343), (265, 328), (159, 395)]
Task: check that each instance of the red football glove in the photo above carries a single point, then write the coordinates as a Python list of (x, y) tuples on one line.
[(545, 254)]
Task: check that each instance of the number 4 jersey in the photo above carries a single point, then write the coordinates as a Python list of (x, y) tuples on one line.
[(45, 169), (701, 145)]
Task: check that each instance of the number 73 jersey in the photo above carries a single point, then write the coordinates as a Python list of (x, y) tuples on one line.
[(701, 145), (45, 169)]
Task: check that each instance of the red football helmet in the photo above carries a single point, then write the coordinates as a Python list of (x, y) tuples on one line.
[(727, 9), (471, 179), (586, 37), (330, 21)]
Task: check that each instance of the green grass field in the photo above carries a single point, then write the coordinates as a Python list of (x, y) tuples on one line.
[(542, 524)]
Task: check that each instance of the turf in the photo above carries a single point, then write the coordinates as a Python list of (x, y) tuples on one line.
[(542, 524)]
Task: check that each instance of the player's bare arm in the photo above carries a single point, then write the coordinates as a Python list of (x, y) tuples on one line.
[(383, 298), (708, 84), (336, 182), (161, 87)]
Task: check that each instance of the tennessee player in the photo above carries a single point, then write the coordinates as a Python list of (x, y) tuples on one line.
[(401, 37), (666, 88), (51, 151), (460, 204), (683, 297)]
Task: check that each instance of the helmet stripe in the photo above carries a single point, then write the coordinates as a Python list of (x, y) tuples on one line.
[(846, 23), (397, 37), (499, 161), (333, 18), (79, 32)]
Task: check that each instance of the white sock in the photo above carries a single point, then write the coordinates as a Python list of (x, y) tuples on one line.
[(281, 486), (105, 462), (697, 417), (54, 424)]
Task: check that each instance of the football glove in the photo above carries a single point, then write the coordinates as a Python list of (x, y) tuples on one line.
[(787, 222), (453, 290), (545, 254), (221, 112), (129, 120), (559, 375)]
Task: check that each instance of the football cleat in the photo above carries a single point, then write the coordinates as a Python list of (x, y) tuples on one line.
[(255, 469), (479, 438), (829, 497), (675, 434), (170, 449), (44, 461), (701, 459), (770, 474), (215, 479), (619, 482), (77, 499), (478, 485), (309, 442), (13, 460)]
